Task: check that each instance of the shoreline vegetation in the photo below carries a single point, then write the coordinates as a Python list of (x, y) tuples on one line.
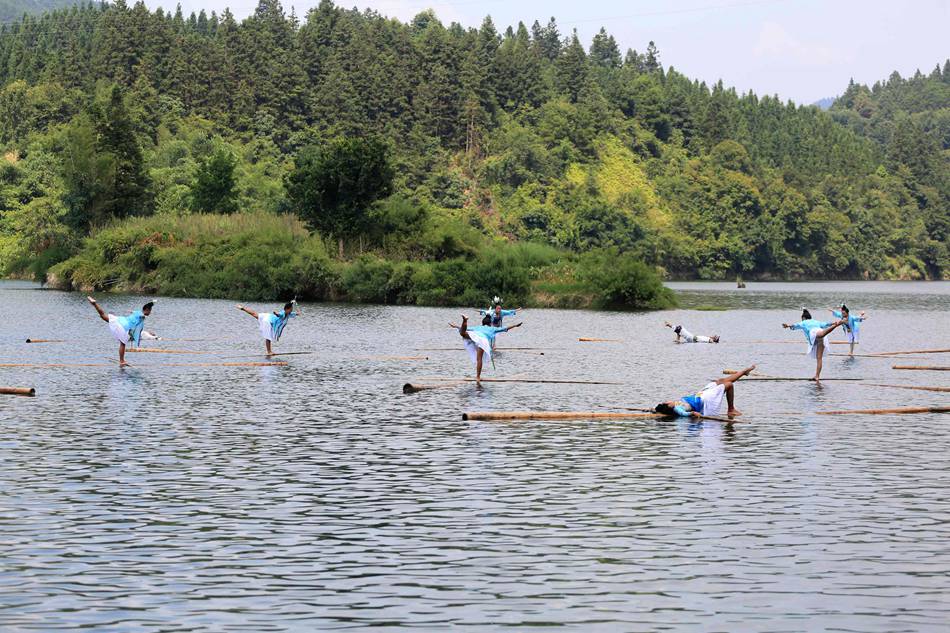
[(347, 156)]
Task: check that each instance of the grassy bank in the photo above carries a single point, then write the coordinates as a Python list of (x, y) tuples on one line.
[(263, 256)]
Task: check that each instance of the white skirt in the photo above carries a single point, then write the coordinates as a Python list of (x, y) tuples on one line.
[(477, 340), (119, 332), (712, 395), (813, 343), (267, 330)]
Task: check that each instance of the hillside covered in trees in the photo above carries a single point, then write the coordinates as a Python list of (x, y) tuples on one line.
[(343, 154), (11, 10)]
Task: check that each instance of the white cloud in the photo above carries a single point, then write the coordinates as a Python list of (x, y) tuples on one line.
[(775, 43)]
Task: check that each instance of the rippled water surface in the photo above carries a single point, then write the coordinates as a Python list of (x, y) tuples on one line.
[(317, 496)]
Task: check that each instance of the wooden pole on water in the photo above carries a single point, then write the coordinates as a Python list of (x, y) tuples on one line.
[(754, 376), (391, 358), (18, 391), (889, 411), (153, 350), (919, 351), (411, 388), (574, 415), (922, 367), (529, 380), (600, 340), (938, 389), (44, 340), (54, 365)]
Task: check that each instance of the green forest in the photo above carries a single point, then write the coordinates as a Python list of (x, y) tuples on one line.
[(343, 155)]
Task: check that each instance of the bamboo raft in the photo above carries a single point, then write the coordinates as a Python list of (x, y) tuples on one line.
[(922, 367), (29, 392), (575, 415), (899, 411)]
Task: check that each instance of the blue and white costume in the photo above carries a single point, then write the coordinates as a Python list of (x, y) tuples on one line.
[(127, 329), (482, 336), (811, 327), (851, 326), (497, 319), (706, 402), (272, 325)]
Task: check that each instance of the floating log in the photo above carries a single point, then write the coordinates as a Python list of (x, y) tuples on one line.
[(842, 343), (600, 340), (755, 376), (922, 367), (939, 389), (18, 391), (53, 365), (393, 358), (889, 411), (411, 388), (573, 415), (269, 364), (919, 351), (531, 380), (154, 350), (44, 340)]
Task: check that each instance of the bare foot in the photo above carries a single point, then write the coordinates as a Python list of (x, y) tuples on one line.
[(124, 364), (240, 307), (748, 370), (732, 413)]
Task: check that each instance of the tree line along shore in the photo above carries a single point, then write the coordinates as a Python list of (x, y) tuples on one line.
[(343, 155)]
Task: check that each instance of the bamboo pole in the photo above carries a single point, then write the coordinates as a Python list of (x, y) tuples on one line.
[(922, 367), (530, 380), (44, 340), (600, 340), (919, 351), (939, 389), (153, 350), (392, 358), (53, 365), (573, 415), (755, 376), (269, 364), (889, 411), (18, 391)]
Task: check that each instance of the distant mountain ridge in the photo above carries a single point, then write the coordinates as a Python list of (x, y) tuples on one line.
[(825, 104), (11, 10)]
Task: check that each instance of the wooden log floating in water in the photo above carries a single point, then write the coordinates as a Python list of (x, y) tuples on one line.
[(902, 410), (153, 350), (600, 340), (18, 391), (54, 365), (922, 367), (44, 340), (938, 389), (919, 351), (531, 380), (411, 388), (392, 358), (268, 364), (754, 376), (574, 415)]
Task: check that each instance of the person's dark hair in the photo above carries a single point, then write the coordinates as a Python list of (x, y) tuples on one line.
[(678, 329), (844, 308), (148, 306), (805, 314), (486, 320), (664, 408), (289, 306)]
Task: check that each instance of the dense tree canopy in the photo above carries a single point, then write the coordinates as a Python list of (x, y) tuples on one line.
[(520, 134)]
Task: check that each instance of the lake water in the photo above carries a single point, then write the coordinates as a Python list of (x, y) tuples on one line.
[(318, 497)]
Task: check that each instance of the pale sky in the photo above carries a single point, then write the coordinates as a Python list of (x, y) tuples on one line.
[(799, 49)]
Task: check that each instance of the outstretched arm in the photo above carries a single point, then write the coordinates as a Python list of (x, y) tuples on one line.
[(511, 327)]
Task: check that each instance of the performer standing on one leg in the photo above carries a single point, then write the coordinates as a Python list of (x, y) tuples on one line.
[(479, 341), (851, 324), (815, 333), (272, 324), (127, 329)]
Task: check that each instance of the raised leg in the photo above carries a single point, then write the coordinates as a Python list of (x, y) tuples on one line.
[(729, 380), (102, 313), (463, 330), (245, 310)]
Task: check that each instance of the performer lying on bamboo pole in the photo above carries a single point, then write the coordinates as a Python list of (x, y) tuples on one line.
[(815, 333), (272, 324), (480, 340), (850, 324), (127, 329), (689, 337), (707, 402)]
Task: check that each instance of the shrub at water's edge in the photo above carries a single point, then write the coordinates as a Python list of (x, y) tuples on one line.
[(267, 257)]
